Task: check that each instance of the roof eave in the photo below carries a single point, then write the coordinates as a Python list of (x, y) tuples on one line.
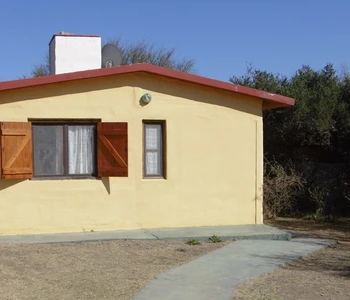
[(270, 100)]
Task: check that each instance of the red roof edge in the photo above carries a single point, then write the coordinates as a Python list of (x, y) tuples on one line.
[(270, 100)]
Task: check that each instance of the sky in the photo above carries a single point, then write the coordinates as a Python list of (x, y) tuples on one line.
[(222, 36)]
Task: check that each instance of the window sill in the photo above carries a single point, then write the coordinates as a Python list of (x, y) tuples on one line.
[(154, 178), (65, 178)]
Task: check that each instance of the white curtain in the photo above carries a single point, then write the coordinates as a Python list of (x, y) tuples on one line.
[(152, 163), (153, 149), (81, 149)]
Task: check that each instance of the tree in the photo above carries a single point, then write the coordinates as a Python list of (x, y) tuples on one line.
[(139, 52), (341, 136), (144, 52), (313, 118), (314, 135), (42, 69)]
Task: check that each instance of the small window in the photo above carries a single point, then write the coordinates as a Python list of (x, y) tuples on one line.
[(61, 150), (154, 145)]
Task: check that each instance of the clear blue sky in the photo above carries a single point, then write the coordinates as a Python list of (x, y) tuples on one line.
[(221, 35)]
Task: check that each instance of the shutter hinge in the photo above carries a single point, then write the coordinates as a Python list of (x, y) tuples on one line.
[(2, 149)]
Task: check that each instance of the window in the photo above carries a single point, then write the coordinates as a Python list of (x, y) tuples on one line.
[(48, 149), (154, 146), (64, 149)]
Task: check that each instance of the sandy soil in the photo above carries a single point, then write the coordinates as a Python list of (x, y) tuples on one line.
[(322, 275), (96, 270)]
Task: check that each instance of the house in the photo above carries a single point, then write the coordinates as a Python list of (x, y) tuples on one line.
[(136, 146)]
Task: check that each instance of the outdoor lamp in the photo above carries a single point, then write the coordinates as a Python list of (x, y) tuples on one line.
[(146, 98)]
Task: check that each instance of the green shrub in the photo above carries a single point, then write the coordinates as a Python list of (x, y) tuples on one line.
[(214, 239), (193, 242)]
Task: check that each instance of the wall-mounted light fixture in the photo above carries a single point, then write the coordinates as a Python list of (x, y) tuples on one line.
[(146, 98)]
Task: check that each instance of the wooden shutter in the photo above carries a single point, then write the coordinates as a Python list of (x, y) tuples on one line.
[(112, 149), (16, 150)]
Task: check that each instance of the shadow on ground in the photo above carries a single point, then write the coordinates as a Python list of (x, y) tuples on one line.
[(333, 260), (339, 230)]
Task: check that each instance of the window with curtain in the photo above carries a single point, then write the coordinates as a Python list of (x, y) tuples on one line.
[(61, 150), (154, 149)]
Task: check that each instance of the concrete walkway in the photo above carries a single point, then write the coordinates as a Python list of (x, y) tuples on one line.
[(236, 232), (258, 249), (215, 275)]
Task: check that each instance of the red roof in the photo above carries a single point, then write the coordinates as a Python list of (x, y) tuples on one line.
[(270, 100)]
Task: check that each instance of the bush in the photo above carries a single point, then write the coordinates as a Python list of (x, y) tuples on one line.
[(282, 186), (214, 239), (324, 208), (193, 242)]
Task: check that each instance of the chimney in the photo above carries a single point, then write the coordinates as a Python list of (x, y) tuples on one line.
[(74, 52)]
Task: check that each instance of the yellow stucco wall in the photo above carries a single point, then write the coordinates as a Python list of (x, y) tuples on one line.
[(214, 158)]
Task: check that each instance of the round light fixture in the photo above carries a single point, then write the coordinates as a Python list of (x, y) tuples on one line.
[(146, 98)]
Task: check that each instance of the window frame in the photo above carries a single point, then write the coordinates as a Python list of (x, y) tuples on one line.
[(65, 124), (162, 151)]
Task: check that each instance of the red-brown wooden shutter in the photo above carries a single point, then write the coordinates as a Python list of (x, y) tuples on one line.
[(16, 150), (112, 149)]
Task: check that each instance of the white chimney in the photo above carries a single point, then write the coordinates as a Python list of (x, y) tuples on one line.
[(73, 52)]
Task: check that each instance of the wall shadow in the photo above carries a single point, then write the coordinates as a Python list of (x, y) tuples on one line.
[(106, 183), (4, 184)]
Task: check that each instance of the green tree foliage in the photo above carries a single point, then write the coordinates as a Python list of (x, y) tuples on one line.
[(342, 120), (139, 52), (320, 117), (313, 133)]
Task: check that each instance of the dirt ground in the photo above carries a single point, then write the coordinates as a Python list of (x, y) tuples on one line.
[(322, 275), (95, 270)]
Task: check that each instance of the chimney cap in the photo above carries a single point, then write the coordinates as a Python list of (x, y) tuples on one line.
[(63, 33)]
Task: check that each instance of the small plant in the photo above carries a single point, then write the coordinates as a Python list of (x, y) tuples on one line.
[(193, 242), (214, 239)]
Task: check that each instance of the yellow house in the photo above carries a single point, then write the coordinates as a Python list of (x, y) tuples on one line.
[(128, 147)]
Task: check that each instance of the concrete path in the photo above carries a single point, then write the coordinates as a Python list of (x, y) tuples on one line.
[(258, 249), (214, 276), (225, 232)]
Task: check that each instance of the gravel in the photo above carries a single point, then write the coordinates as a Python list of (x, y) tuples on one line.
[(94, 270)]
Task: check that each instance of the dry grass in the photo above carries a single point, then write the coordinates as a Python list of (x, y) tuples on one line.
[(96, 270), (322, 275)]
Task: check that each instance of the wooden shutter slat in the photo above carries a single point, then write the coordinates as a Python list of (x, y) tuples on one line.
[(113, 132), (16, 150), (115, 154), (17, 171), (17, 176), (13, 132), (112, 149)]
